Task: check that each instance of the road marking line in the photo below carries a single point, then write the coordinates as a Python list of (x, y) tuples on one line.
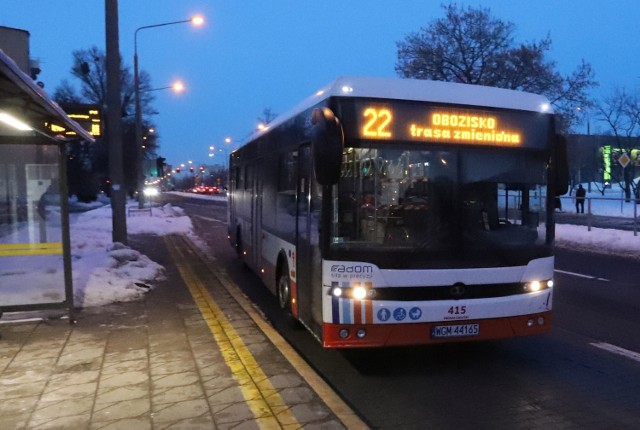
[(617, 350), (263, 399), (580, 275)]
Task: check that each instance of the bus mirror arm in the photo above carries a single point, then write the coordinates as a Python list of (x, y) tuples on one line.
[(560, 165), (327, 145)]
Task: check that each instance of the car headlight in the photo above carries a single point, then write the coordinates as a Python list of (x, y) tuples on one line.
[(151, 191)]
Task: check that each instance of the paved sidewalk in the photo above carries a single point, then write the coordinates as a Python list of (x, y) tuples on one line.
[(157, 363)]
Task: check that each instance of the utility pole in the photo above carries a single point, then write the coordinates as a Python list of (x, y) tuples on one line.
[(114, 124)]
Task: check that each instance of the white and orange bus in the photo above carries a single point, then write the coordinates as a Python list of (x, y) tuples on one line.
[(397, 212)]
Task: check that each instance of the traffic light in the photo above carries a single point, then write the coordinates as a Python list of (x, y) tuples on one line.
[(191, 169), (160, 166), (177, 170)]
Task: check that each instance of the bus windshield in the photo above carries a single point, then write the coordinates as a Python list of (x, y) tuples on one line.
[(441, 203)]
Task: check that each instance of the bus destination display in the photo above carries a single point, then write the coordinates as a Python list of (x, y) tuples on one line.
[(428, 123)]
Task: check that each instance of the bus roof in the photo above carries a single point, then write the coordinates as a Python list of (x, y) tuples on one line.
[(419, 90)]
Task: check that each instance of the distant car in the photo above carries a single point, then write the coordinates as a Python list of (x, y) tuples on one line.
[(151, 191)]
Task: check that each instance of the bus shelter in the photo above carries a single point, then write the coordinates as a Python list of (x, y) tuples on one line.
[(35, 257)]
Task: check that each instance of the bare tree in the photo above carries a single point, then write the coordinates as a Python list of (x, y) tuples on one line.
[(89, 67), (470, 46), (89, 165), (267, 116), (621, 112)]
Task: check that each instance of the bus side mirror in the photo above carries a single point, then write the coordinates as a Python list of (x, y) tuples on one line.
[(560, 166), (326, 145)]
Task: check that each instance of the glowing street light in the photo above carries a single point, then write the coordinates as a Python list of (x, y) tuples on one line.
[(222, 149), (195, 20), (177, 87)]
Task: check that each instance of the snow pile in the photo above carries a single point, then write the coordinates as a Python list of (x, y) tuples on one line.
[(103, 272)]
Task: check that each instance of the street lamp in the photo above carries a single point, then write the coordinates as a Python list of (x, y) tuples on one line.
[(222, 150), (583, 111), (177, 88), (197, 21)]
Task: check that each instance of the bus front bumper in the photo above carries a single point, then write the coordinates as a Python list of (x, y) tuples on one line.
[(382, 335)]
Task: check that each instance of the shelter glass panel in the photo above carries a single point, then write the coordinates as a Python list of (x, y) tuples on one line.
[(31, 256)]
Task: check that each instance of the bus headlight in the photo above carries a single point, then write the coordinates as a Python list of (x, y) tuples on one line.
[(359, 293), (533, 286)]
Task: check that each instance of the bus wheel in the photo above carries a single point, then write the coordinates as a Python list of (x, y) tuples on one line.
[(284, 299), (284, 290)]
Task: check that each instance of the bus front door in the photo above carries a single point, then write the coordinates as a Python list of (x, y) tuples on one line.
[(309, 259)]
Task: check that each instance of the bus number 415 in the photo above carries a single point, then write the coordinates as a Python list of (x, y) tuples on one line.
[(457, 310)]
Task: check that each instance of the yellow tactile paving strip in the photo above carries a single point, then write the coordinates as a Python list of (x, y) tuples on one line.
[(262, 398), (342, 411), (21, 249)]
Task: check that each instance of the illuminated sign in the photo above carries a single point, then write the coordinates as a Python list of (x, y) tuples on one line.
[(87, 116), (430, 123), (377, 123), (606, 156), (464, 128)]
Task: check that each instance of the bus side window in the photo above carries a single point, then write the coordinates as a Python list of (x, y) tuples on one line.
[(248, 176), (239, 178)]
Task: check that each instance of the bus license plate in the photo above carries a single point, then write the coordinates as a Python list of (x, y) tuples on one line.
[(442, 331)]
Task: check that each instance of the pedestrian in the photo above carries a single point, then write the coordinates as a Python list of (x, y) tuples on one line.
[(580, 195)]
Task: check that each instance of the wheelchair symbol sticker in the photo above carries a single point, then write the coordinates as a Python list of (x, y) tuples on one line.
[(399, 314)]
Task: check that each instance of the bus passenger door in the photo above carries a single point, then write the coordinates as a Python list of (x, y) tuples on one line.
[(255, 259), (307, 258)]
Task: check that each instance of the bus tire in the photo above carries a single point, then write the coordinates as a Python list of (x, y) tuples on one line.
[(284, 298), (284, 289)]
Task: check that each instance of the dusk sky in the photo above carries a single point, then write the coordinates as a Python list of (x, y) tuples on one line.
[(251, 55)]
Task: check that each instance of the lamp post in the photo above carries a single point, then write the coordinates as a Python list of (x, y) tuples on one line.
[(223, 150), (114, 124), (196, 20)]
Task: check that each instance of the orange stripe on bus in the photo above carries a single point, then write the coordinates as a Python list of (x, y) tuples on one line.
[(357, 311)]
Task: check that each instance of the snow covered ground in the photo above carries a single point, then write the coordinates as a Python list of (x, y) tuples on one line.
[(104, 272), (601, 240)]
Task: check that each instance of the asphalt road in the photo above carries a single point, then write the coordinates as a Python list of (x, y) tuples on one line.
[(585, 374)]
